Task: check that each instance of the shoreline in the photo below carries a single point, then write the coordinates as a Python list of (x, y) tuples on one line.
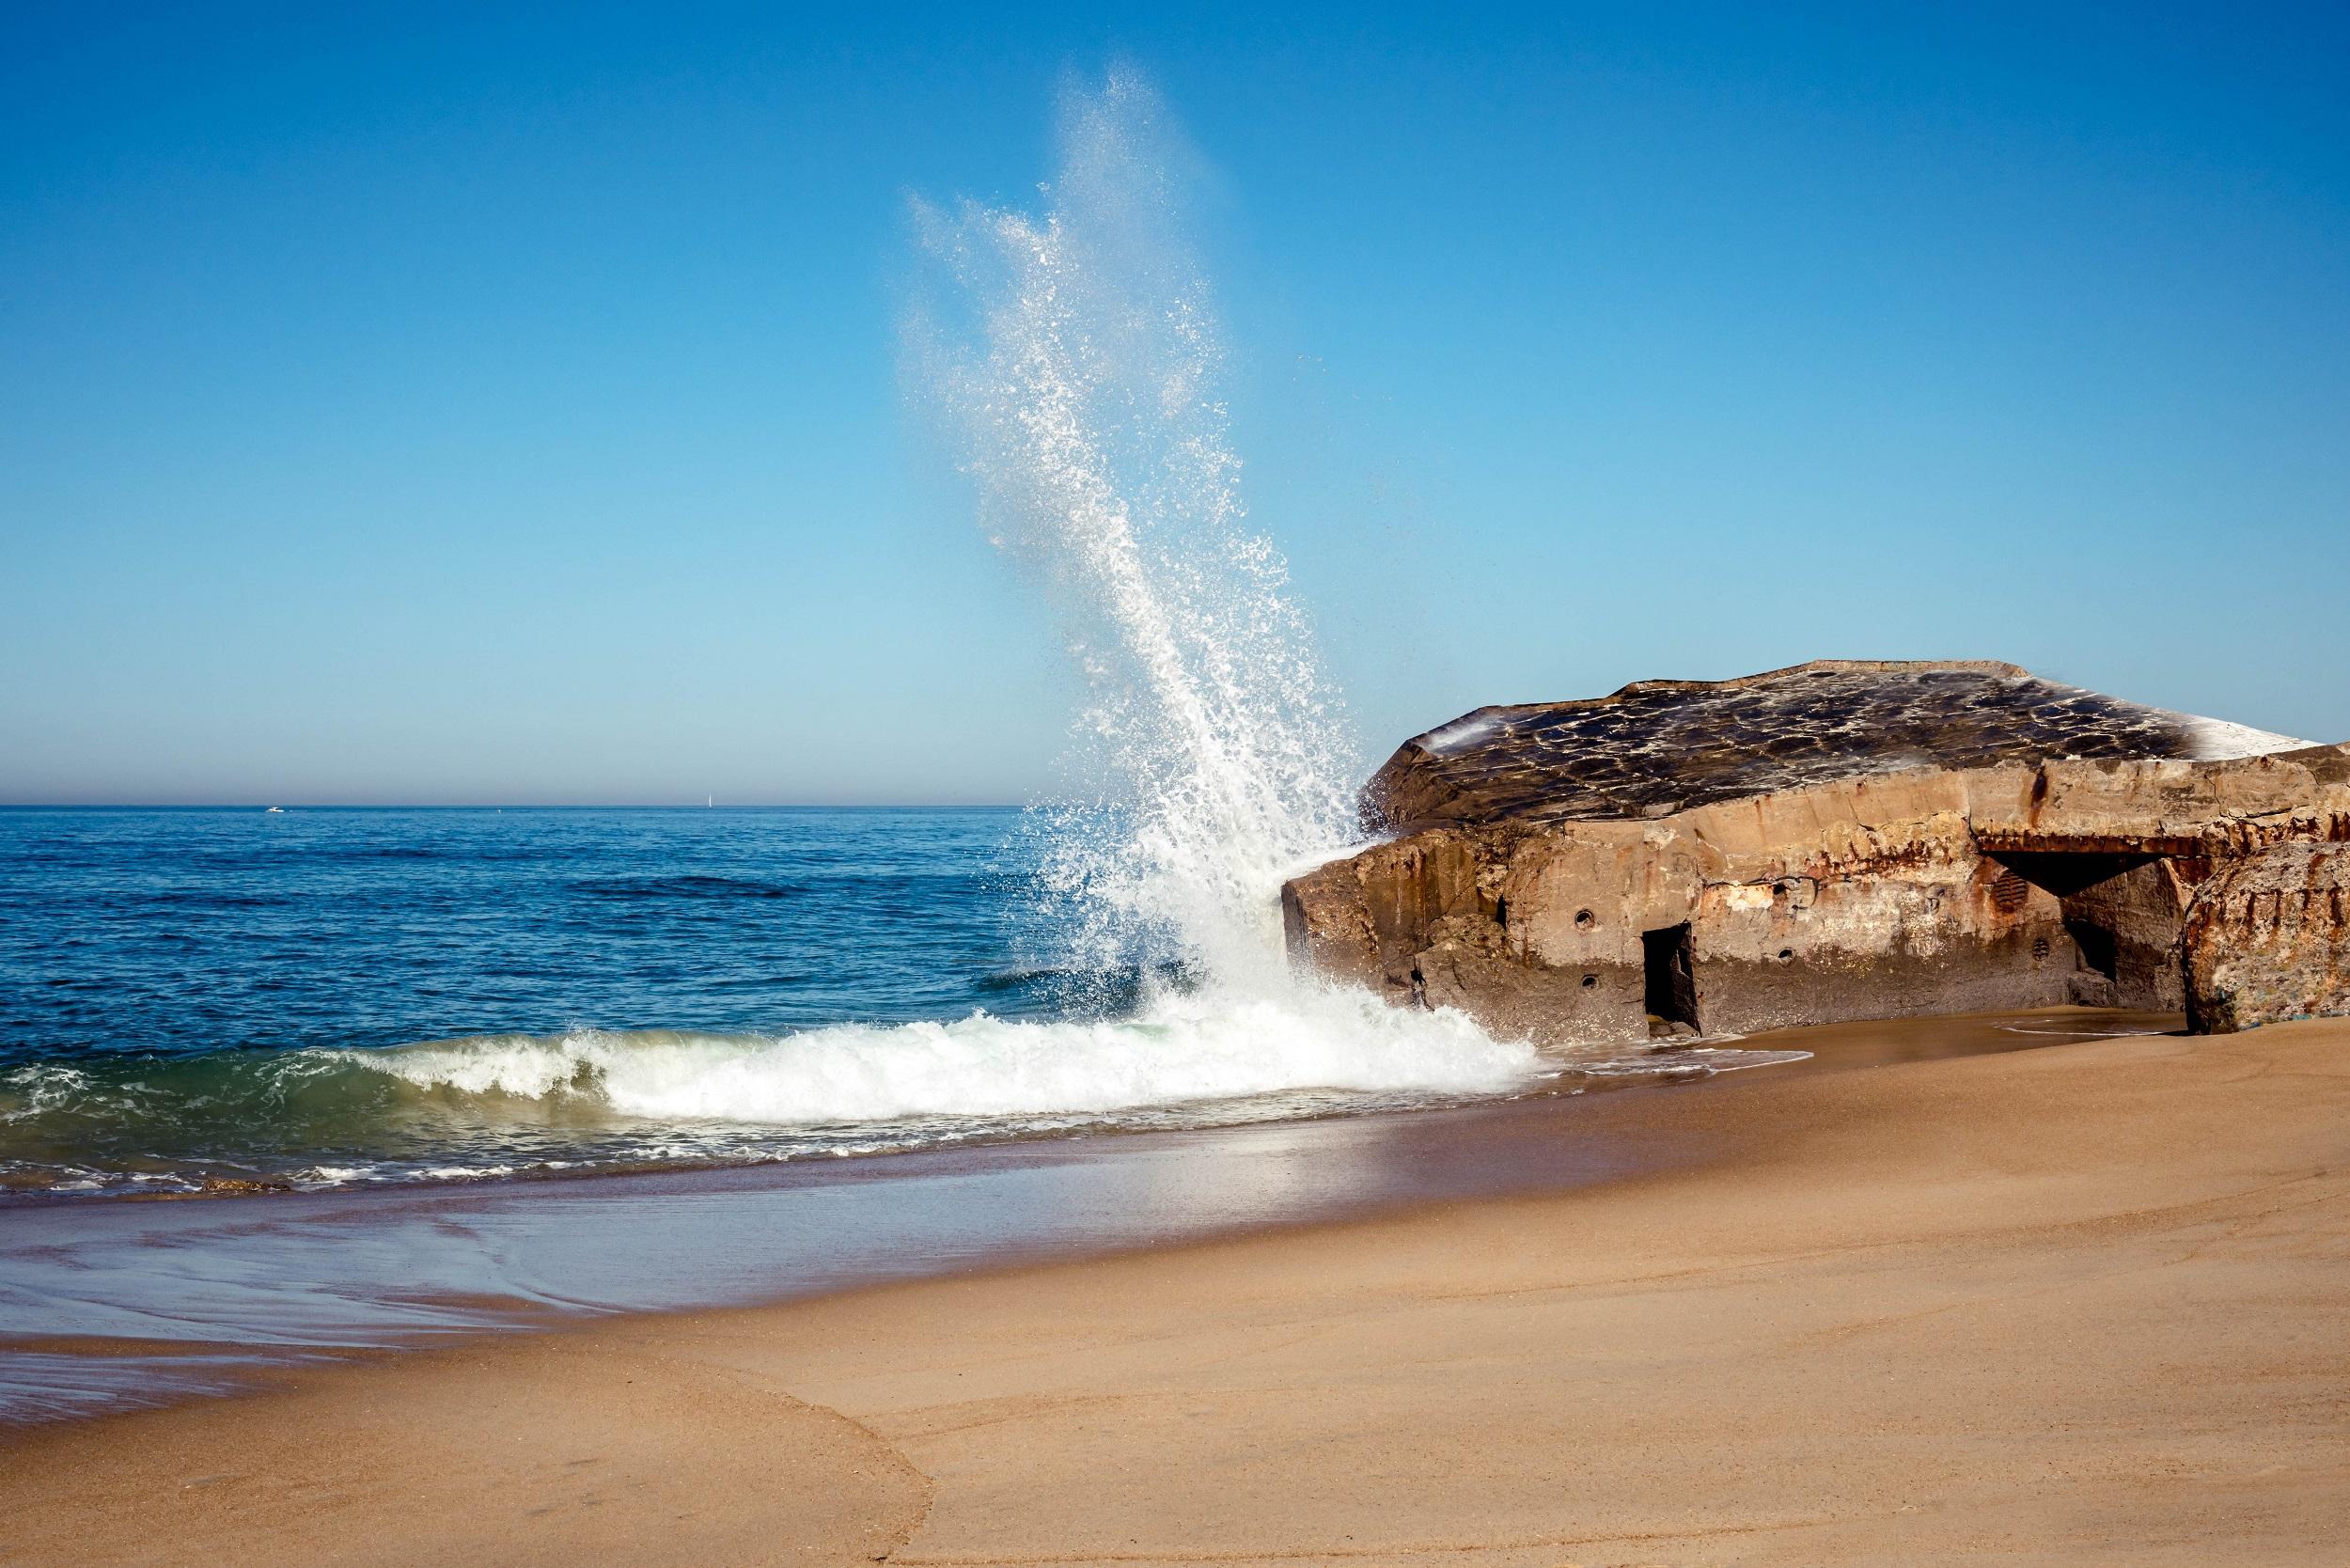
[(120, 1303), (2075, 1303)]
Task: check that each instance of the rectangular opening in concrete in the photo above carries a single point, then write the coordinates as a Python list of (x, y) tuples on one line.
[(2101, 950), (1672, 979)]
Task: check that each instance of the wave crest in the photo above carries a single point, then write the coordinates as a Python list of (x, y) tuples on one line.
[(1184, 1049)]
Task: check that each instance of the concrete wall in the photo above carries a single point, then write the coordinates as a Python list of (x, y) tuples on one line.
[(1881, 897), (2268, 938)]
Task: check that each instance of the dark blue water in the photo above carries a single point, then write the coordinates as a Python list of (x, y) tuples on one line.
[(155, 964), (191, 930)]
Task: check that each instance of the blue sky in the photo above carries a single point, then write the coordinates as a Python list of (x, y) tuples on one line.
[(447, 404)]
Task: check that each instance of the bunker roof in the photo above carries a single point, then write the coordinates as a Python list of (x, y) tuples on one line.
[(1659, 746)]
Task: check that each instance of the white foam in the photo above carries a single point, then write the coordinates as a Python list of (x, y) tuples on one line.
[(1181, 1050), (1684, 1061)]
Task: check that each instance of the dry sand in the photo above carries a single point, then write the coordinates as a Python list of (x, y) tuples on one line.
[(2080, 1304)]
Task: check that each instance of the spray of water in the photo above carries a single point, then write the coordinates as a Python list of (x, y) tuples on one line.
[(1075, 357)]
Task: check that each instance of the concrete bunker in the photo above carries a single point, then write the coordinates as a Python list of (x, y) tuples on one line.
[(1836, 841)]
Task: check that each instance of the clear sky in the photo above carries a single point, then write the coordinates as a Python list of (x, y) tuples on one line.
[(465, 403)]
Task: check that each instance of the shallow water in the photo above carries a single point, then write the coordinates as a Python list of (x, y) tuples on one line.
[(112, 1306), (115, 1305)]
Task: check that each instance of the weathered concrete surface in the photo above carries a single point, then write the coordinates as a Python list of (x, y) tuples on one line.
[(2041, 848), (2268, 938), (1660, 746)]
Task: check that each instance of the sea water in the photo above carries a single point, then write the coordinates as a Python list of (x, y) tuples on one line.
[(234, 999)]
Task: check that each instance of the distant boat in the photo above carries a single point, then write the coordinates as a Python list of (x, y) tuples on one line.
[(710, 803), (276, 808)]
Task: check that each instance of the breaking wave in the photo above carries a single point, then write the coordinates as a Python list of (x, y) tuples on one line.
[(1182, 1051), (495, 1105)]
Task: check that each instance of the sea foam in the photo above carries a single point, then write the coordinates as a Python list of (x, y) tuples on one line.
[(1180, 1050)]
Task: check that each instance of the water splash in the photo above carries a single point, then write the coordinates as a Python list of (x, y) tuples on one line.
[(1078, 360)]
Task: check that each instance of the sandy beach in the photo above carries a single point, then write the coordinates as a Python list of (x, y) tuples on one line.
[(1330, 787), (2080, 1304)]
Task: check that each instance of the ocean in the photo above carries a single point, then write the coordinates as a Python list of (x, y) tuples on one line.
[(240, 1001)]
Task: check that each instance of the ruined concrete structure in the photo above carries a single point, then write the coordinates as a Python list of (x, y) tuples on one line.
[(2267, 939), (1838, 840)]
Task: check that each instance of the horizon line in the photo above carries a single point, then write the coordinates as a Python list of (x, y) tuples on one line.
[(265, 806)]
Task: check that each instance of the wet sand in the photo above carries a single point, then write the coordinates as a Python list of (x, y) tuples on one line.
[(106, 1304), (2077, 1304)]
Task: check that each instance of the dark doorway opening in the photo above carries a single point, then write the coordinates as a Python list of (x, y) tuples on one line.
[(1673, 979), (2101, 950), (2123, 912)]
